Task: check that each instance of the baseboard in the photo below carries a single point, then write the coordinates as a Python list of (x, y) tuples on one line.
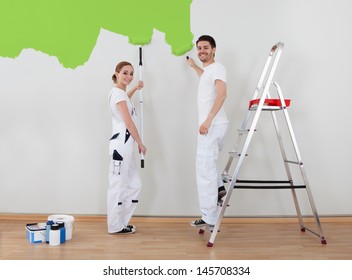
[(174, 219)]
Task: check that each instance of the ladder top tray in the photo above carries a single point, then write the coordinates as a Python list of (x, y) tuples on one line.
[(270, 102)]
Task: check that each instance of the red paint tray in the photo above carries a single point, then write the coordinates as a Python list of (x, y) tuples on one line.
[(270, 102)]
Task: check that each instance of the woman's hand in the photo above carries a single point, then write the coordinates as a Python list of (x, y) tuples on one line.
[(142, 149), (140, 85)]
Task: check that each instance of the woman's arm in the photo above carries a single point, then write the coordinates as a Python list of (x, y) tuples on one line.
[(139, 86), (122, 107)]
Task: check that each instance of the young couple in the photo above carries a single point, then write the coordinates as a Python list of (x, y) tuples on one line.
[(125, 183)]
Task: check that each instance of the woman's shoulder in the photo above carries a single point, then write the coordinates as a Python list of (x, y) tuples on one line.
[(118, 91), (117, 95)]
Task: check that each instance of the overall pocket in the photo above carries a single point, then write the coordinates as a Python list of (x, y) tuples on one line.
[(117, 160)]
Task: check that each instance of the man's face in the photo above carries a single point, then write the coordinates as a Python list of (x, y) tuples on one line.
[(205, 51)]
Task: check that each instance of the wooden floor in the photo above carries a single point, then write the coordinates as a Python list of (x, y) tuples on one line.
[(175, 239)]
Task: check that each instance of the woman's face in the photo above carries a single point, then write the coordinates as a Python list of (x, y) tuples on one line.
[(125, 76)]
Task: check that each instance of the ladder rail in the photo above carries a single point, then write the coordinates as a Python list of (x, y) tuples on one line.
[(289, 125), (226, 200), (275, 54), (287, 168), (284, 156), (233, 153), (244, 150), (301, 165), (234, 178)]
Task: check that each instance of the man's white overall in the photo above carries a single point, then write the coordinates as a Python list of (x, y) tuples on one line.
[(209, 146), (207, 174)]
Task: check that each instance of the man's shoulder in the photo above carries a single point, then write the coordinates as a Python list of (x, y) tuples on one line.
[(217, 69), (217, 66)]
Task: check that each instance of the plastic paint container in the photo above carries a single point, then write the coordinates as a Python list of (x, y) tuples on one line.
[(68, 220), (62, 231), (54, 237), (48, 226)]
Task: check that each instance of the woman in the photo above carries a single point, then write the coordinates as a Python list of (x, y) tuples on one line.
[(125, 183)]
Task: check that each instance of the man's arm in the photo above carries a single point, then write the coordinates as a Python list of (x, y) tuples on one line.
[(191, 63), (220, 87)]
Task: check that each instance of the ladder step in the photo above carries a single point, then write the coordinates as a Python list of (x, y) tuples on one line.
[(294, 162), (262, 184), (265, 181), (269, 187), (244, 131), (266, 184), (237, 154), (267, 108)]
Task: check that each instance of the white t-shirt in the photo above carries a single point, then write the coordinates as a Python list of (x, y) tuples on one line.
[(207, 93), (117, 95)]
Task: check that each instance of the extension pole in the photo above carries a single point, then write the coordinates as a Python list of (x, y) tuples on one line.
[(141, 104)]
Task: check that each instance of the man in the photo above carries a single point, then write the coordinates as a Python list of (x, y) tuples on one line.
[(213, 126)]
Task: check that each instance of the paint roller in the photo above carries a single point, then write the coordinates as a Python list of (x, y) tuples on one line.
[(139, 41), (182, 50)]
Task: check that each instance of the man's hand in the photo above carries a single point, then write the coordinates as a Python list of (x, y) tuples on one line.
[(190, 61), (204, 128)]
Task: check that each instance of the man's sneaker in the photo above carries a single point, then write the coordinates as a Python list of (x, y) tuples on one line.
[(221, 192), (199, 223), (126, 230), (131, 226)]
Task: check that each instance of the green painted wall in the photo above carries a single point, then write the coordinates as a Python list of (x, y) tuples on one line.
[(69, 29)]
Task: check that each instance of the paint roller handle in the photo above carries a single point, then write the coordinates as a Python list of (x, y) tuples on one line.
[(142, 151), (141, 101), (140, 56), (190, 61)]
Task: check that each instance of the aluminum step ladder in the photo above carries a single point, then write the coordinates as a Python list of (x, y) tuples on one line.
[(262, 101)]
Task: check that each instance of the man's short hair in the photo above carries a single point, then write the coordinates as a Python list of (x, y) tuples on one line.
[(208, 39)]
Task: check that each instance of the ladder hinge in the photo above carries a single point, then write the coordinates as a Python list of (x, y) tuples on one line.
[(226, 178)]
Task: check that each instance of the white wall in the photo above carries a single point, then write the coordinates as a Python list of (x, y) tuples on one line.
[(55, 122)]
